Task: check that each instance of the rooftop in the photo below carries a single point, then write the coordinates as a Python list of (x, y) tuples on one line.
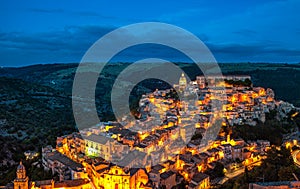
[(56, 156), (71, 183), (98, 138), (198, 177), (167, 174)]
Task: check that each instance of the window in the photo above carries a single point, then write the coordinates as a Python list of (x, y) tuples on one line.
[(116, 186), (116, 172)]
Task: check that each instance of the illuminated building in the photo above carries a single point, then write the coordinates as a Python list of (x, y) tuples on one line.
[(71, 145), (168, 179), (21, 182), (262, 92), (182, 82), (154, 174), (201, 81), (98, 146), (121, 178), (199, 181), (186, 132), (90, 156), (64, 166)]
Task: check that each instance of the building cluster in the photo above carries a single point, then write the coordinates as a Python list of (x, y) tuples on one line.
[(241, 102), (166, 145)]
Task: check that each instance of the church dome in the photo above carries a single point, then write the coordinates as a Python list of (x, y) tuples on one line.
[(21, 171), (21, 167), (182, 80)]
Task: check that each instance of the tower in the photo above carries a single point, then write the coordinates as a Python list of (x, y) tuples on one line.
[(21, 182), (182, 82)]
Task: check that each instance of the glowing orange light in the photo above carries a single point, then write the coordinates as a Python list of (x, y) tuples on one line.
[(200, 168), (234, 99), (262, 92), (295, 114), (254, 95)]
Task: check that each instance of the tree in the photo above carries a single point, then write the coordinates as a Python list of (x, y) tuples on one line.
[(286, 173), (218, 170), (248, 82)]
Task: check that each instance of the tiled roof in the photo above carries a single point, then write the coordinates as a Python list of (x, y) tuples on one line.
[(56, 156), (198, 177), (70, 183), (98, 138), (167, 174)]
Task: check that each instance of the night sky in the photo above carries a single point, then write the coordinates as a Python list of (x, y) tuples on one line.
[(60, 31)]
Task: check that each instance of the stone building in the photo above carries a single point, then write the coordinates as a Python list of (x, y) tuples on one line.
[(22, 181)]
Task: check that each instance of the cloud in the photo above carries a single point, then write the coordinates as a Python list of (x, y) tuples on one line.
[(70, 44), (265, 32), (67, 45), (71, 38), (260, 52)]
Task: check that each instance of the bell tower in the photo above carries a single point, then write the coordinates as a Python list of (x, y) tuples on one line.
[(21, 182)]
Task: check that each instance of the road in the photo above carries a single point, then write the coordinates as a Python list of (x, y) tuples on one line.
[(232, 175), (239, 171)]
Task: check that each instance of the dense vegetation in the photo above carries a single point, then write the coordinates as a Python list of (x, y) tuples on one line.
[(272, 129), (31, 116)]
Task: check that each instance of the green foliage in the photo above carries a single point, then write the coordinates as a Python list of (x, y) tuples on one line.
[(271, 130), (278, 166), (217, 171), (38, 173)]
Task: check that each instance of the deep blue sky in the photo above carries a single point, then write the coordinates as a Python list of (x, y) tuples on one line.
[(51, 31)]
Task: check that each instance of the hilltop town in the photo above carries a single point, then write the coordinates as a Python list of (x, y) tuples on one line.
[(175, 141)]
